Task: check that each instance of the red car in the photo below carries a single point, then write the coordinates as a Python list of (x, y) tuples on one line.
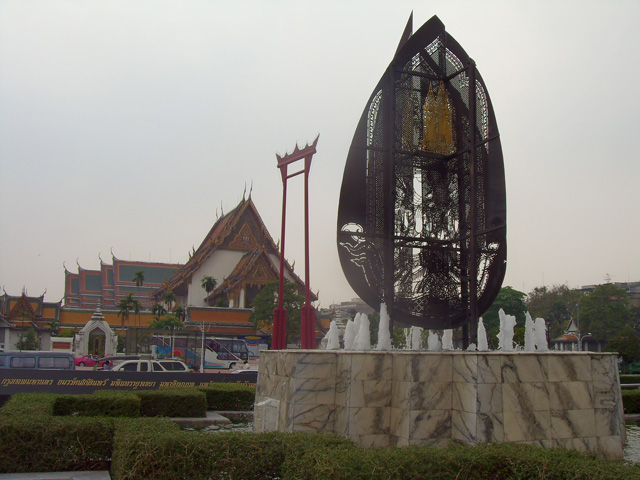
[(86, 360)]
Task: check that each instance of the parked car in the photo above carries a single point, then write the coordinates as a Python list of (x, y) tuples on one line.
[(107, 363), (39, 360), (86, 360), (172, 365), (150, 366)]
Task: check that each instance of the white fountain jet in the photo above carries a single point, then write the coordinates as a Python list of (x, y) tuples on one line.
[(433, 342), (416, 338), (363, 340), (333, 337), (447, 339), (384, 336), (351, 331), (529, 334), (483, 344), (505, 336), (541, 335)]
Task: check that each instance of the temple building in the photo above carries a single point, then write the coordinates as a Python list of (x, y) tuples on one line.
[(239, 253), (88, 289), (21, 313)]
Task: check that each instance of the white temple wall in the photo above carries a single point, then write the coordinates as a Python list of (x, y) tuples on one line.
[(275, 260), (219, 265)]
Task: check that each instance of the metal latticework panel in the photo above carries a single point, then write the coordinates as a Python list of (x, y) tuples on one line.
[(422, 215)]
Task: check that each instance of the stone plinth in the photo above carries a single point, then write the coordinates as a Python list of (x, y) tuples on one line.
[(397, 398)]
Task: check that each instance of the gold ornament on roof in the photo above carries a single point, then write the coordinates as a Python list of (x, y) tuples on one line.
[(437, 122)]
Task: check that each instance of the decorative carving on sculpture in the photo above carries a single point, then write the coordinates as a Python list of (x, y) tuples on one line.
[(422, 214)]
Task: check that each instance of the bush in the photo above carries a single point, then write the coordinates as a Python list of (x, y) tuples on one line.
[(29, 405), (50, 444), (495, 461), (629, 379), (631, 400), (168, 454), (32, 440), (229, 397), (101, 403), (172, 402)]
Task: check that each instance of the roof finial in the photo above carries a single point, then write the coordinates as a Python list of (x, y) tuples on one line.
[(221, 209), (251, 189), (245, 192)]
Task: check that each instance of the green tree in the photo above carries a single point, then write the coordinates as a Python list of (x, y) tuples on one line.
[(138, 277), (267, 300), (179, 312), (168, 322), (209, 284), (627, 344), (125, 306), (557, 305), (158, 310), (28, 340), (169, 299), (512, 302), (604, 312)]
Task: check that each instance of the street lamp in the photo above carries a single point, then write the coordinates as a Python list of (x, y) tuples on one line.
[(581, 338)]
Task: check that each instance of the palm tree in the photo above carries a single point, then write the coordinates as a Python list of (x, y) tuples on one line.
[(158, 310), (180, 312), (169, 299), (138, 277), (209, 284), (124, 307)]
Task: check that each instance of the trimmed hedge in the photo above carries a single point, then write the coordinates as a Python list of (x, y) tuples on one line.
[(629, 378), (631, 400), (32, 440), (102, 403), (229, 397), (167, 455), (494, 461), (172, 402)]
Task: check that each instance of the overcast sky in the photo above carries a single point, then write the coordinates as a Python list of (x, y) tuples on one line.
[(128, 125)]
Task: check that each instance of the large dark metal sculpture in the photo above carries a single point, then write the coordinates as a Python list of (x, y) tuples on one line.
[(422, 214)]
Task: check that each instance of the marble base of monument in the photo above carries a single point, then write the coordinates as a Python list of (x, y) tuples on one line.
[(398, 398)]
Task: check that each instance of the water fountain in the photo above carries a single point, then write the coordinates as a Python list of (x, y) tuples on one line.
[(399, 397), (431, 242)]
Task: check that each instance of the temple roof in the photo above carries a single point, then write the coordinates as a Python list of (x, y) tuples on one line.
[(224, 235)]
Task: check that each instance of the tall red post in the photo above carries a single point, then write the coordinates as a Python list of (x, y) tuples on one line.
[(307, 330)]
